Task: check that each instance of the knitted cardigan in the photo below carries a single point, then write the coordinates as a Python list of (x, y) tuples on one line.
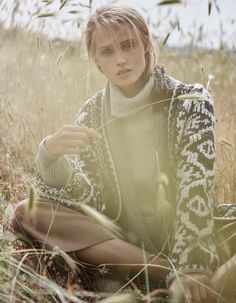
[(191, 152)]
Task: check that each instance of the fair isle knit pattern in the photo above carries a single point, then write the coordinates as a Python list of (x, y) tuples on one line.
[(192, 153)]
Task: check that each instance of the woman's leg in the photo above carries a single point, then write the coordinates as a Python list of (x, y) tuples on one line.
[(117, 251), (55, 225)]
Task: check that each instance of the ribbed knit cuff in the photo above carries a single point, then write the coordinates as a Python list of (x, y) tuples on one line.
[(54, 171)]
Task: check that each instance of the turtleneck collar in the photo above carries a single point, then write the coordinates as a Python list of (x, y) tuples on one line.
[(124, 106)]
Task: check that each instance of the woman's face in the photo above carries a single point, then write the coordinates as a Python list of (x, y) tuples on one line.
[(120, 56)]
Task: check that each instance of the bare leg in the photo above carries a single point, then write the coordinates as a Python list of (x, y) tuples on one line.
[(117, 251)]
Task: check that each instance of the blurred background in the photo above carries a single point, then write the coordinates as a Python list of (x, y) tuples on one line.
[(45, 75), (206, 23)]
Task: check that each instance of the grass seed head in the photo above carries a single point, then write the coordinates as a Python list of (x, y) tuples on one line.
[(123, 298), (100, 218)]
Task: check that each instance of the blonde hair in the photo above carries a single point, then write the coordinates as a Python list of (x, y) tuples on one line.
[(114, 15)]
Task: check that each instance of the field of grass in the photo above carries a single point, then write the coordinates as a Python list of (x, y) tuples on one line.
[(42, 85)]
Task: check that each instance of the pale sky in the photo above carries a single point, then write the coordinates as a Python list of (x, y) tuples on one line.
[(190, 13), (191, 16)]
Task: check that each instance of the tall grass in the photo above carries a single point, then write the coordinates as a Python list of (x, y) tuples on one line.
[(42, 86)]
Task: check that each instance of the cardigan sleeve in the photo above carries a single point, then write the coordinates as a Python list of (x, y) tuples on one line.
[(193, 248), (83, 184), (55, 171)]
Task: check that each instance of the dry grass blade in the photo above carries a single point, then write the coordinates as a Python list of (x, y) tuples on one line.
[(38, 43), (147, 283), (226, 142), (74, 12), (69, 261), (30, 203), (42, 285), (101, 219), (217, 6), (166, 38), (192, 96), (7, 217), (132, 111), (49, 3), (166, 2), (210, 77), (157, 164), (63, 2), (84, 5), (164, 210), (59, 59), (209, 7), (124, 298), (46, 15)]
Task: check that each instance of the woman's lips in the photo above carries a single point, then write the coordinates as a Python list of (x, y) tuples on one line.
[(123, 71)]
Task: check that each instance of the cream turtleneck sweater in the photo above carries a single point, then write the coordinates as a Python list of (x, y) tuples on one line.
[(134, 138), (142, 136), (122, 106)]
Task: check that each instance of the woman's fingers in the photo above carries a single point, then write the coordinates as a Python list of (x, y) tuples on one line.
[(90, 132), (70, 139), (203, 293), (195, 294), (73, 137), (75, 149), (80, 139), (93, 134), (80, 145), (198, 290), (188, 298), (191, 288)]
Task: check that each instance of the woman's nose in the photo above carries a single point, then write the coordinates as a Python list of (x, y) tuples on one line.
[(120, 58)]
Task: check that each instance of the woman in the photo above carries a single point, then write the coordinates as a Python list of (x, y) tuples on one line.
[(140, 114)]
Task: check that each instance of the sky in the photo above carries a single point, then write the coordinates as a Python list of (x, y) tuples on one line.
[(191, 16)]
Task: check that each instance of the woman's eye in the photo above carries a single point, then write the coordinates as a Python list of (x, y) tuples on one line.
[(128, 45), (106, 52)]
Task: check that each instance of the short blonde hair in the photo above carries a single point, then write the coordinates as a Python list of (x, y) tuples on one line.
[(114, 15)]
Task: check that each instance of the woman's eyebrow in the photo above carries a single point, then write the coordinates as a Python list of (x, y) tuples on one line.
[(121, 42), (104, 46), (133, 40)]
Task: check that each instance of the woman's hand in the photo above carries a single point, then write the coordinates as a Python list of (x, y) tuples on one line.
[(223, 279), (191, 288), (70, 139)]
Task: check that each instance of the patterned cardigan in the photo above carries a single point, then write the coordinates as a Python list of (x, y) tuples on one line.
[(191, 152)]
